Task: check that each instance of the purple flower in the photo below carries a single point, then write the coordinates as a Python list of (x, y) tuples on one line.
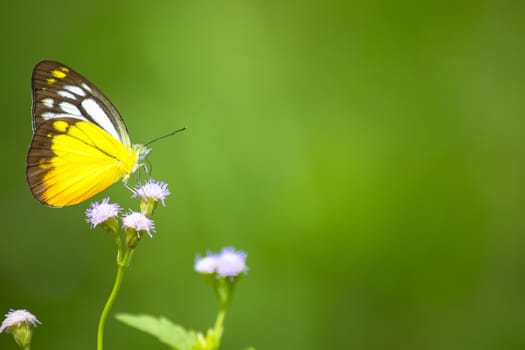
[(227, 263), (138, 222), (152, 190), (100, 212), (231, 263), (207, 264), (17, 318)]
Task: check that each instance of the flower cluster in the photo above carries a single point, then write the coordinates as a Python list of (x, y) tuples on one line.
[(106, 214), (227, 263), (222, 271)]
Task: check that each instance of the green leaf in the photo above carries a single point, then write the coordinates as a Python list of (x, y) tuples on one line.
[(167, 332)]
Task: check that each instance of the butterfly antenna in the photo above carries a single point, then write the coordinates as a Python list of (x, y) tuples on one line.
[(164, 136)]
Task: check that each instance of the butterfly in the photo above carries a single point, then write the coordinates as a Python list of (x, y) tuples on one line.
[(80, 143)]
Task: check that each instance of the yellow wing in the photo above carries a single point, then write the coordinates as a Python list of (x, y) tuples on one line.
[(71, 160)]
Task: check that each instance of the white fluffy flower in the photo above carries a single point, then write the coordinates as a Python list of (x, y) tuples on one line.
[(227, 263), (17, 318), (152, 190), (138, 222), (100, 212)]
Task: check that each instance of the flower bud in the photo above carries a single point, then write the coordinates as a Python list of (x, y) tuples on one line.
[(19, 323)]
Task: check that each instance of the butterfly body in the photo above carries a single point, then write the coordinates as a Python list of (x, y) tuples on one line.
[(80, 143)]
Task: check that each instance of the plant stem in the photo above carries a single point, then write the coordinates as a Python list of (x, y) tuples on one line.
[(218, 327), (122, 265)]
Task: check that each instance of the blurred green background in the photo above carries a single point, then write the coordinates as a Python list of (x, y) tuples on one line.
[(368, 155)]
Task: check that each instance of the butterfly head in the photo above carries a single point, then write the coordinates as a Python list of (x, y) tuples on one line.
[(142, 152)]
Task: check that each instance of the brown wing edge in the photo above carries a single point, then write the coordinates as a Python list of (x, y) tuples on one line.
[(39, 154), (40, 89)]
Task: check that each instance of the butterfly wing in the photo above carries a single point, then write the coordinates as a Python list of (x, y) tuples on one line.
[(80, 143), (60, 92), (70, 160)]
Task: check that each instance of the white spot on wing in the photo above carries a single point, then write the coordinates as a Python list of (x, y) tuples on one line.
[(48, 115), (99, 116), (48, 102), (69, 108), (51, 115), (75, 89), (66, 94), (86, 86)]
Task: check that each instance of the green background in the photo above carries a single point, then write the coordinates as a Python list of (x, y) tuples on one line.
[(368, 155)]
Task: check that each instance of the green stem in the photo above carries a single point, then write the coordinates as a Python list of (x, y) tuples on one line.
[(218, 327), (122, 265)]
